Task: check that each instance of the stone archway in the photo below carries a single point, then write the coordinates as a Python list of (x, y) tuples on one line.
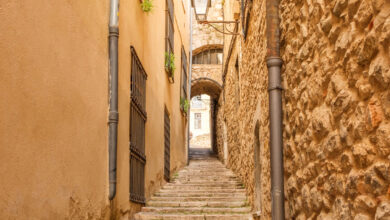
[(212, 88), (204, 85)]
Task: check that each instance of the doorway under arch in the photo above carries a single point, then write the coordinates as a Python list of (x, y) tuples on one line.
[(210, 90)]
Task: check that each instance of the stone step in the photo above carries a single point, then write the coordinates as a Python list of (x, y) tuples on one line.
[(203, 190), (154, 216), (196, 210), (200, 194), (196, 204), (199, 198), (205, 182)]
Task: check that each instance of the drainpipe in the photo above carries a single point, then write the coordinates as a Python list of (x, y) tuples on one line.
[(274, 64), (189, 85), (113, 96)]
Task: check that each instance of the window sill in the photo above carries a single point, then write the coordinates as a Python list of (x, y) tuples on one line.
[(171, 79)]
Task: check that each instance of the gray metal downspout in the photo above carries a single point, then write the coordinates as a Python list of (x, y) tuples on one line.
[(274, 64), (113, 96), (189, 85)]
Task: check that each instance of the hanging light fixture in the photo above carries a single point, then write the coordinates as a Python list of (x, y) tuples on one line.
[(201, 8)]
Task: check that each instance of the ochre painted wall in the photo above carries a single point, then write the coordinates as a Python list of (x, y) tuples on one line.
[(146, 33), (53, 109)]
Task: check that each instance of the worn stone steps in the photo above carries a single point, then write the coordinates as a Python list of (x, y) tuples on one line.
[(200, 194), (228, 204), (156, 216), (196, 210), (203, 190), (199, 198), (211, 190), (205, 187)]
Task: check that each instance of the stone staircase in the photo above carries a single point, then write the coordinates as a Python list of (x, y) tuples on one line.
[(203, 190)]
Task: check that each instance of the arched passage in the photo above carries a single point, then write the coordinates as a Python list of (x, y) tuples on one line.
[(206, 86), (210, 87)]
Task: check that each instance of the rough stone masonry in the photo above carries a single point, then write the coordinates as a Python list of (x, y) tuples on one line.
[(336, 104)]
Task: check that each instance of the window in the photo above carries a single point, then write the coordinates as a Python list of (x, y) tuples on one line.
[(184, 81), (198, 121), (137, 129), (169, 28), (210, 56)]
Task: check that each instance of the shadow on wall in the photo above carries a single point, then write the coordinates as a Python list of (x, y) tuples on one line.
[(257, 170)]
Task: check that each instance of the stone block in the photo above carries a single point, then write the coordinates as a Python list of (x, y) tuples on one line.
[(383, 211), (383, 140), (326, 24), (361, 216), (380, 72), (334, 33), (321, 122), (342, 209), (364, 13), (383, 169), (374, 114), (365, 203), (352, 7), (341, 103), (339, 7)]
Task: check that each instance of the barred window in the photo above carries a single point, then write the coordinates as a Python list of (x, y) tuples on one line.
[(184, 76), (169, 27), (137, 129)]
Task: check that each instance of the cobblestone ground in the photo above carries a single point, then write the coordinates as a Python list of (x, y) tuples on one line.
[(203, 190)]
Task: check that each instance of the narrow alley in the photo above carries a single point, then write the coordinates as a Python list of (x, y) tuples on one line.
[(203, 190), (195, 109)]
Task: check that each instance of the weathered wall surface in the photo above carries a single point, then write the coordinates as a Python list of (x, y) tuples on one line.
[(337, 101), (243, 103), (53, 109), (336, 108), (204, 34), (211, 71), (146, 33)]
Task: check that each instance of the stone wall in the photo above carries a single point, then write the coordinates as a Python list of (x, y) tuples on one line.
[(243, 103), (211, 71), (204, 34), (337, 108)]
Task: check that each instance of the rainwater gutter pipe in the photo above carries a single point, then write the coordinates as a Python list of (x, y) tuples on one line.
[(274, 64), (189, 85), (113, 115)]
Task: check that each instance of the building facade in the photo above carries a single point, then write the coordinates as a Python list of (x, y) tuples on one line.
[(54, 106), (335, 80), (200, 122)]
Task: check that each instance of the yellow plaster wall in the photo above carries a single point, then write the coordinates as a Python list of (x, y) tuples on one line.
[(53, 109)]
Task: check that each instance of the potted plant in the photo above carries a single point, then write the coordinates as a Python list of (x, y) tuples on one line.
[(184, 105), (147, 5), (170, 65)]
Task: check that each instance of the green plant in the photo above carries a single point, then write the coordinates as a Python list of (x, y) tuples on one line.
[(170, 63), (184, 104), (147, 5)]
